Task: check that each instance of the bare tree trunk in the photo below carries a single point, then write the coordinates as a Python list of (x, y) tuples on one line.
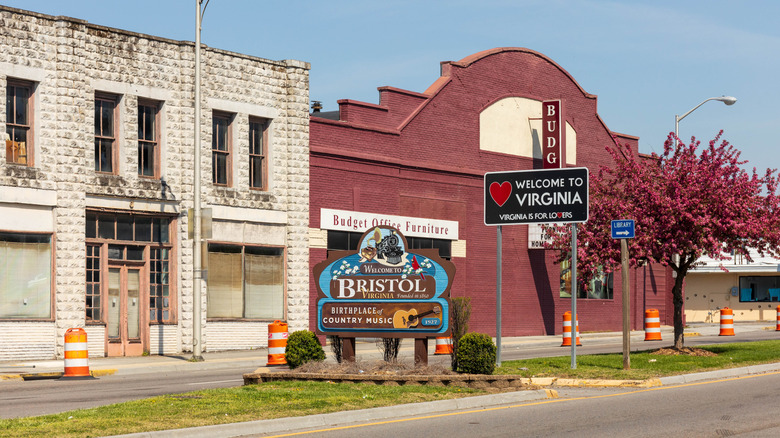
[(677, 301)]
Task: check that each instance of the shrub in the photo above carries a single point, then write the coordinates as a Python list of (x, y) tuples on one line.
[(303, 346), (476, 354)]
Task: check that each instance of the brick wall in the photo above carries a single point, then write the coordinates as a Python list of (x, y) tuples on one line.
[(429, 158)]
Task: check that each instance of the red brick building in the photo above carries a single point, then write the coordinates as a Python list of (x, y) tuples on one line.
[(417, 160)]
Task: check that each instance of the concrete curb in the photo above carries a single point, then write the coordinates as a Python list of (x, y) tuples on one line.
[(326, 420), (54, 374), (720, 374)]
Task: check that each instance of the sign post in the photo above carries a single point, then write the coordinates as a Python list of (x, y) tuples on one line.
[(540, 196), (624, 229)]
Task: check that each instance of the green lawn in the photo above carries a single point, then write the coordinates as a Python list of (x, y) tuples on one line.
[(219, 406), (290, 399), (645, 365)]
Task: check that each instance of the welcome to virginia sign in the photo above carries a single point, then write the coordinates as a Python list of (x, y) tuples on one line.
[(536, 196), (384, 289)]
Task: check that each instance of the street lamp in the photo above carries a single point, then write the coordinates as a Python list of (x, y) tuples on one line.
[(728, 100)]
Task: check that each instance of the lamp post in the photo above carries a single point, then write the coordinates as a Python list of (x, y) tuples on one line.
[(728, 100)]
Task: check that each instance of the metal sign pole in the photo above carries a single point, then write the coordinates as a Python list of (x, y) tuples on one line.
[(626, 305), (574, 328), (498, 296)]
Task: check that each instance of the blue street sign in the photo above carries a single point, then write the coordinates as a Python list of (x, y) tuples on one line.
[(623, 229)]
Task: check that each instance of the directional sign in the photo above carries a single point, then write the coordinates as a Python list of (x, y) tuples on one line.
[(623, 229), (536, 196)]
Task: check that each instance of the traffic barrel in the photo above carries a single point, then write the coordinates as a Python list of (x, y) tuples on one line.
[(443, 346), (778, 319), (567, 330), (726, 322), (277, 343), (652, 325), (76, 355)]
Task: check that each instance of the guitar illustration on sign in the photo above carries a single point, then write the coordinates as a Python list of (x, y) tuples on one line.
[(408, 319)]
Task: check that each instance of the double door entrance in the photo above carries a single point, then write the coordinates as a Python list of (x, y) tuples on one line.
[(125, 328)]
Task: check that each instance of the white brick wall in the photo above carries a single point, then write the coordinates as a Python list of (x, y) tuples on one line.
[(70, 60)]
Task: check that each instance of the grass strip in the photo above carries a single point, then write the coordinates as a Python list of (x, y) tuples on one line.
[(644, 364), (220, 406), (291, 399)]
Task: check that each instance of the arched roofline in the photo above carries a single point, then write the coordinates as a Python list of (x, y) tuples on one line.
[(476, 57)]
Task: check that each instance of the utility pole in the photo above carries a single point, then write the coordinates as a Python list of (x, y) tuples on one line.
[(197, 346)]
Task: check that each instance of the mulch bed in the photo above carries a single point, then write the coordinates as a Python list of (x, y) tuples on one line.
[(685, 351), (380, 368)]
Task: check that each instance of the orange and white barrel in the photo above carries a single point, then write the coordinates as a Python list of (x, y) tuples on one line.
[(443, 346), (778, 319), (277, 343), (652, 325), (76, 354), (567, 330), (726, 322)]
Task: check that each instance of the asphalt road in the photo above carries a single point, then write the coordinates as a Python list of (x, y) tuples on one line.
[(40, 397), (731, 407)]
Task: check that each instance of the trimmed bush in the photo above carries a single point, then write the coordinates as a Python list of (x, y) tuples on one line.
[(303, 346), (476, 354)]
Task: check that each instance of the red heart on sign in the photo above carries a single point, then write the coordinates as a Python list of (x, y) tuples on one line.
[(500, 192)]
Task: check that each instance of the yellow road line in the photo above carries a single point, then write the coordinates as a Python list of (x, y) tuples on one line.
[(553, 399)]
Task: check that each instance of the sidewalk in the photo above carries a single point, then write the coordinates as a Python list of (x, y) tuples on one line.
[(366, 350)]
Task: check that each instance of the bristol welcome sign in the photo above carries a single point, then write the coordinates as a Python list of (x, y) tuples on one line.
[(384, 289)]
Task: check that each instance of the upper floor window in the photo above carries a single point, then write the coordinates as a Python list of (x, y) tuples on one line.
[(148, 139), (221, 147), (258, 155), (105, 132), (18, 122)]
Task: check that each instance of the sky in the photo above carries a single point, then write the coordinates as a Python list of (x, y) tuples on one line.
[(647, 61)]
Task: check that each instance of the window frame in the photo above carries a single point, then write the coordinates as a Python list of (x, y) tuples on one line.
[(115, 99), (242, 251), (29, 127), (228, 118), (263, 125), (155, 141), (52, 277)]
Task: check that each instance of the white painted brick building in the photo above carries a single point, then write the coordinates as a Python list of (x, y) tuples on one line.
[(96, 178)]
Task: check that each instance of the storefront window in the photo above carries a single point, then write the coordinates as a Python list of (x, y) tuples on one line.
[(345, 240), (25, 276), (600, 287), (120, 238), (245, 282), (759, 288)]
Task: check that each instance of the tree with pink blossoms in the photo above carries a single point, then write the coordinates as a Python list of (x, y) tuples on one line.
[(687, 202)]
